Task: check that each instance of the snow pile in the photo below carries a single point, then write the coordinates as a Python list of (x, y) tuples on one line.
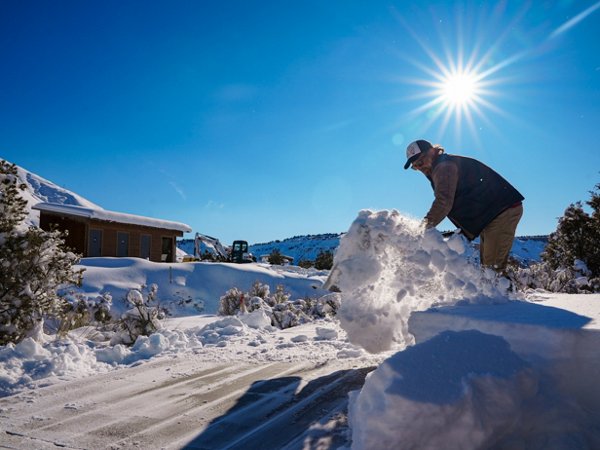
[(256, 319), (29, 361), (219, 332), (468, 389), (247, 337), (146, 347), (446, 385), (388, 266)]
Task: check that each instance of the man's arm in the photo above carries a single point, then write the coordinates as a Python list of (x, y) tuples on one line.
[(445, 179)]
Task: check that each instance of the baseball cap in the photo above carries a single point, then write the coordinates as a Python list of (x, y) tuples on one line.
[(414, 150)]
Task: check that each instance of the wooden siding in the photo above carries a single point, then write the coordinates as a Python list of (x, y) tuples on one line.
[(79, 235)]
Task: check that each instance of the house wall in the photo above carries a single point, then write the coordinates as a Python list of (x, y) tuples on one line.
[(79, 228), (110, 233)]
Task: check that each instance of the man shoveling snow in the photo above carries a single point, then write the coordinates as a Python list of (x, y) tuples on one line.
[(474, 197)]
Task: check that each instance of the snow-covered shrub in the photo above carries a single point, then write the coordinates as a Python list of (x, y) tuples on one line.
[(86, 311), (142, 319), (571, 280), (282, 311), (326, 306), (231, 302), (571, 259), (280, 296), (289, 314), (260, 290), (33, 263)]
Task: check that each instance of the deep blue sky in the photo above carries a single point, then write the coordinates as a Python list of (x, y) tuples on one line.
[(264, 120)]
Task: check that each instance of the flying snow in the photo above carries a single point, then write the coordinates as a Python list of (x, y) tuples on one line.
[(388, 266)]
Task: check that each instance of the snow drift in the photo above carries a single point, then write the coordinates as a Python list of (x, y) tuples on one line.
[(195, 286), (468, 389), (388, 266)]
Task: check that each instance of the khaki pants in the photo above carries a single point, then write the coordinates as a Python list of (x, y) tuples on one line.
[(497, 238)]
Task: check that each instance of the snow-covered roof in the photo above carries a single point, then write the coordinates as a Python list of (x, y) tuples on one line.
[(111, 216)]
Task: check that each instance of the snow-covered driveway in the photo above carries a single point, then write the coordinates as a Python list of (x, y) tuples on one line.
[(183, 402)]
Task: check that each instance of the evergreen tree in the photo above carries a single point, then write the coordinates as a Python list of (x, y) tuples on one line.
[(577, 237), (567, 243), (34, 264), (593, 249), (324, 260), (275, 257)]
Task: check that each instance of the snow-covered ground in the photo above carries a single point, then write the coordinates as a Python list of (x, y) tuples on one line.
[(426, 352)]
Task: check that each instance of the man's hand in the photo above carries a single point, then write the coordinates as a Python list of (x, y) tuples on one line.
[(426, 224)]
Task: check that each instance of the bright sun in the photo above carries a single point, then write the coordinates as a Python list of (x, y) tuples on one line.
[(458, 85), (459, 89), (457, 93)]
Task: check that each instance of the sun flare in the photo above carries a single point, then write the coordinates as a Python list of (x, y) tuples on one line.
[(459, 89), (456, 86), (458, 93)]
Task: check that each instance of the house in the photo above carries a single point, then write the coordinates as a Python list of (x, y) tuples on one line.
[(98, 232)]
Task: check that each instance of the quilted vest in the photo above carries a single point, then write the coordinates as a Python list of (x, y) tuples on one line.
[(481, 194)]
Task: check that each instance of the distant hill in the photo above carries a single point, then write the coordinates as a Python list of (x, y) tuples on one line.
[(526, 249), (300, 247)]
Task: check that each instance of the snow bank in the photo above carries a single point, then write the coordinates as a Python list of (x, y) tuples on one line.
[(388, 266), (29, 361), (486, 372), (515, 375), (468, 389), (248, 337), (146, 347), (185, 288), (451, 392)]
